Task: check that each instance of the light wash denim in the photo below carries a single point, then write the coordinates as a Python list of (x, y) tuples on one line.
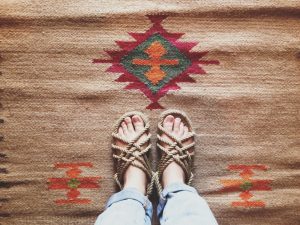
[(179, 204)]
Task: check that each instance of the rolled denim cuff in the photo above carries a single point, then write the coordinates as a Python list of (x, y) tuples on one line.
[(172, 188), (133, 194)]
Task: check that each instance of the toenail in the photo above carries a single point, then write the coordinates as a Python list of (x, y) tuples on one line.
[(170, 117)]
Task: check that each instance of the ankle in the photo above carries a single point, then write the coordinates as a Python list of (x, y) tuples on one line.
[(135, 178), (173, 174)]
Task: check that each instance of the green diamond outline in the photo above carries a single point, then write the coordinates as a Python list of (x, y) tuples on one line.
[(170, 70)]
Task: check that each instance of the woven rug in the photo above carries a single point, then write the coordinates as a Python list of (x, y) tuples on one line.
[(70, 69)]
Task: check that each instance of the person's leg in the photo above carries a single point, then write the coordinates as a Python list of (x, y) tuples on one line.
[(180, 203), (130, 206)]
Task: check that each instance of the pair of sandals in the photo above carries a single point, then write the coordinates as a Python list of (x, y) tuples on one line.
[(138, 151)]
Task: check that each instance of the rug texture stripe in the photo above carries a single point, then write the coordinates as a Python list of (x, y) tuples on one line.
[(70, 69)]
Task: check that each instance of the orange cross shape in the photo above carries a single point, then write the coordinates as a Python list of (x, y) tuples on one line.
[(155, 51)]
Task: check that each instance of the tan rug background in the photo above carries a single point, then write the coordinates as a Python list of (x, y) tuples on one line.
[(56, 106)]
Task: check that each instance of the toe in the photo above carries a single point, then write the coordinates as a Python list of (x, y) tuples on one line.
[(129, 124), (186, 131), (137, 123), (168, 122), (176, 127), (124, 128), (181, 129), (120, 131), (121, 134)]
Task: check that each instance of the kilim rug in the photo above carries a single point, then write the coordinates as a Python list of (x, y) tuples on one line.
[(69, 69)]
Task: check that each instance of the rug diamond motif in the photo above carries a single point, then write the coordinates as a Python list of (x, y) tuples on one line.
[(155, 62)]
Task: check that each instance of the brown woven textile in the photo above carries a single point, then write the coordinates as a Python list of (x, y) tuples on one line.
[(58, 107)]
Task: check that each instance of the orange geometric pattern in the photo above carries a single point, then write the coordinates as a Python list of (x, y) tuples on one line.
[(246, 184), (155, 51), (73, 182)]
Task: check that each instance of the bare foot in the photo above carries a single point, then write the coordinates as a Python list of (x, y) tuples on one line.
[(130, 128), (174, 173)]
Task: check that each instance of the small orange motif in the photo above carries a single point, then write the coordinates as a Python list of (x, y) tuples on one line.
[(246, 184), (155, 51), (73, 182)]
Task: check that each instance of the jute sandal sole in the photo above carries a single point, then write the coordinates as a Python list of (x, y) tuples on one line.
[(133, 152), (175, 150)]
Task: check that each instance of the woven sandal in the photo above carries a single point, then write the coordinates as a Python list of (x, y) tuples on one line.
[(133, 152), (175, 150)]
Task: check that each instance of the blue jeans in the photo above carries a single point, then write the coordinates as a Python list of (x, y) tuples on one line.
[(179, 204)]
